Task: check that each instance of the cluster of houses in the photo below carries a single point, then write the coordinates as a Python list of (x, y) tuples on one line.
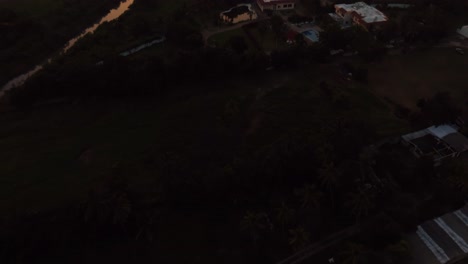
[(346, 15), (358, 13)]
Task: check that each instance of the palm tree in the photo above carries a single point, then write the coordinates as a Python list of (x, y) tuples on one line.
[(353, 253), (360, 204), (255, 223), (399, 251), (299, 238), (329, 178), (113, 207), (328, 175), (310, 196), (285, 215)]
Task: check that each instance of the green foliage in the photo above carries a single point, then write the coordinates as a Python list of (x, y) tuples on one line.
[(36, 29), (353, 253), (309, 196), (440, 109), (299, 238), (238, 44), (285, 215)]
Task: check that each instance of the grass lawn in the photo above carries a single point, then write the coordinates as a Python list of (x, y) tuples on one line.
[(32, 8), (41, 28), (51, 157), (162, 8), (267, 39), (405, 79), (222, 39)]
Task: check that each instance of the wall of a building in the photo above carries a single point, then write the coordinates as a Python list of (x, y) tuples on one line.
[(239, 18), (277, 6), (284, 6)]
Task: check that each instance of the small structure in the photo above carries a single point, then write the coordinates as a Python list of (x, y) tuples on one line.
[(360, 14), (240, 13), (276, 4), (463, 31), (438, 142)]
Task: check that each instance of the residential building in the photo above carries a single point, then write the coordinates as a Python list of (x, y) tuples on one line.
[(463, 31), (276, 4), (438, 142), (360, 14), (240, 13)]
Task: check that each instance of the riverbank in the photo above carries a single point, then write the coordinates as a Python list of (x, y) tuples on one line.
[(33, 30)]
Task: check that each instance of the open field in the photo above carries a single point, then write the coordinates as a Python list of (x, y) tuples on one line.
[(51, 157), (32, 8), (35, 30), (405, 79)]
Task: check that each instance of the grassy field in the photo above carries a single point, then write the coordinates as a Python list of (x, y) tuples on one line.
[(405, 79), (33, 8), (38, 29), (222, 39), (51, 157)]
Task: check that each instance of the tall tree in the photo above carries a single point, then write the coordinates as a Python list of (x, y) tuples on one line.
[(353, 253), (299, 238), (360, 203), (255, 223), (285, 215), (329, 175), (441, 109), (309, 195)]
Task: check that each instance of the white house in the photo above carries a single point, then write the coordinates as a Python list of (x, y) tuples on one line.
[(240, 13), (360, 14), (276, 4)]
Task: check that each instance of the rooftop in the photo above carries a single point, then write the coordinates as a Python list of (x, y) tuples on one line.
[(464, 31), (236, 11), (457, 141), (368, 13), (276, 1)]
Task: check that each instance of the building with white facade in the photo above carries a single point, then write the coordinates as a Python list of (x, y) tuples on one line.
[(361, 14), (276, 4)]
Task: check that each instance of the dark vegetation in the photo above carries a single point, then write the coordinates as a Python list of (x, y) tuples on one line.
[(31, 31), (202, 151)]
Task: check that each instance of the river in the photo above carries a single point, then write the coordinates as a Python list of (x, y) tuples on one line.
[(112, 15)]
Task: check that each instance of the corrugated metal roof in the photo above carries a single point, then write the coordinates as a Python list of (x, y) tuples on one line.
[(442, 130)]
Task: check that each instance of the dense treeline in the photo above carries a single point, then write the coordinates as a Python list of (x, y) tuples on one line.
[(30, 36)]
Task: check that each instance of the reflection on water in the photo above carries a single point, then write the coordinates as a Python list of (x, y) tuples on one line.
[(113, 14)]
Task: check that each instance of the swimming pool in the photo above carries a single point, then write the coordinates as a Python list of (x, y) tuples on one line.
[(312, 35)]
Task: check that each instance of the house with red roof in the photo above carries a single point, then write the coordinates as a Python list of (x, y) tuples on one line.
[(276, 4)]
